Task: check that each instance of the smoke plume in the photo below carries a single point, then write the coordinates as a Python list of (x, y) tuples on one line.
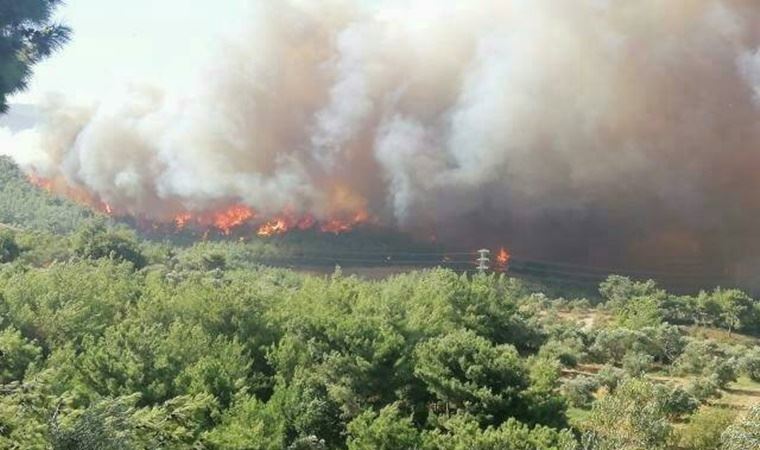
[(614, 132)]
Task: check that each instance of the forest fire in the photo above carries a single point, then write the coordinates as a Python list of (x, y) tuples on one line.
[(181, 220), (284, 223), (225, 221), (337, 226), (239, 216), (272, 228), (503, 258), (60, 187), (233, 217)]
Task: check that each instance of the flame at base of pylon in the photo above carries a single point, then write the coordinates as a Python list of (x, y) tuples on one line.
[(502, 258)]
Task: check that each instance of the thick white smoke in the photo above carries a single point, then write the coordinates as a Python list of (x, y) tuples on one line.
[(629, 122)]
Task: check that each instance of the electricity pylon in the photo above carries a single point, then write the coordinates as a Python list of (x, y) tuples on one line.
[(483, 260)]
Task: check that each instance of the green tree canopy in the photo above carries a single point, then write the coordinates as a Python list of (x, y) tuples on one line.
[(27, 35), (9, 249)]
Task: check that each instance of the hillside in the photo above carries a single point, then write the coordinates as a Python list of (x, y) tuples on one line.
[(24, 206), (110, 340), (127, 345)]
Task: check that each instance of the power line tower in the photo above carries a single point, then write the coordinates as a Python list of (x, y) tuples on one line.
[(483, 260)]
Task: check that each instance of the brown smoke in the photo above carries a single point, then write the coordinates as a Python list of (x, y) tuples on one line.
[(611, 132)]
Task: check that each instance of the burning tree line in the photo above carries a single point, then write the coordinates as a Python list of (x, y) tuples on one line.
[(223, 220)]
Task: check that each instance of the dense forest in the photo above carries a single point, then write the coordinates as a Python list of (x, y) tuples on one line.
[(109, 340)]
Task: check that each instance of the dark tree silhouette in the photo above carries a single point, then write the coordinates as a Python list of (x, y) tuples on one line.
[(27, 35)]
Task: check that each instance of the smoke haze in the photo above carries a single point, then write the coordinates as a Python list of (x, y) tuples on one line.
[(610, 132)]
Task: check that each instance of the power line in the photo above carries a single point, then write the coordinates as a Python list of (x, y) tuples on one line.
[(520, 267)]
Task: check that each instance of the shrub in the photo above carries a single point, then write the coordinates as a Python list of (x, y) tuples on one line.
[(568, 351), (9, 249), (744, 434), (467, 372), (462, 433), (632, 417), (703, 389), (16, 354), (387, 429), (637, 364), (749, 364), (708, 359), (610, 377), (579, 391), (703, 432), (95, 241), (679, 403)]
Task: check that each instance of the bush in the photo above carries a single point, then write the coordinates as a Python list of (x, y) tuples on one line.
[(669, 341), (580, 391), (703, 432), (467, 372), (704, 389), (679, 403), (462, 433), (744, 434), (16, 354), (95, 241), (632, 417), (9, 249), (749, 364), (637, 364), (707, 359), (387, 430), (724, 373), (569, 352), (610, 377), (612, 345)]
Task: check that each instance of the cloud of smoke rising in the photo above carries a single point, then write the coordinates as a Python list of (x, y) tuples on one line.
[(615, 130)]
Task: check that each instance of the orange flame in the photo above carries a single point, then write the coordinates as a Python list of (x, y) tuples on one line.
[(502, 258), (77, 194), (223, 220), (181, 220), (338, 226), (40, 182), (273, 228), (233, 217)]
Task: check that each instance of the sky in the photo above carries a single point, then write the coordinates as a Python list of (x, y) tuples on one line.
[(114, 42)]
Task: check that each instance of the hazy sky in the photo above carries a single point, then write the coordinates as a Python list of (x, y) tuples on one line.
[(114, 41)]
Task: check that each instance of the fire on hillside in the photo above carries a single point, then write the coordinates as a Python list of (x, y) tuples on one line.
[(224, 220)]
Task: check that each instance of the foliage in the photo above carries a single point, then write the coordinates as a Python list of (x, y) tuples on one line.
[(703, 432), (95, 241), (29, 208), (610, 377), (704, 389), (111, 341), (9, 248), (708, 359), (463, 433), (632, 417), (678, 402), (580, 391), (569, 350), (745, 433), (386, 430), (465, 372), (749, 364), (27, 35), (637, 364), (636, 304), (16, 355)]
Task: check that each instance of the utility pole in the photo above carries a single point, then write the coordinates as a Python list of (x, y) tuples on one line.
[(483, 260)]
